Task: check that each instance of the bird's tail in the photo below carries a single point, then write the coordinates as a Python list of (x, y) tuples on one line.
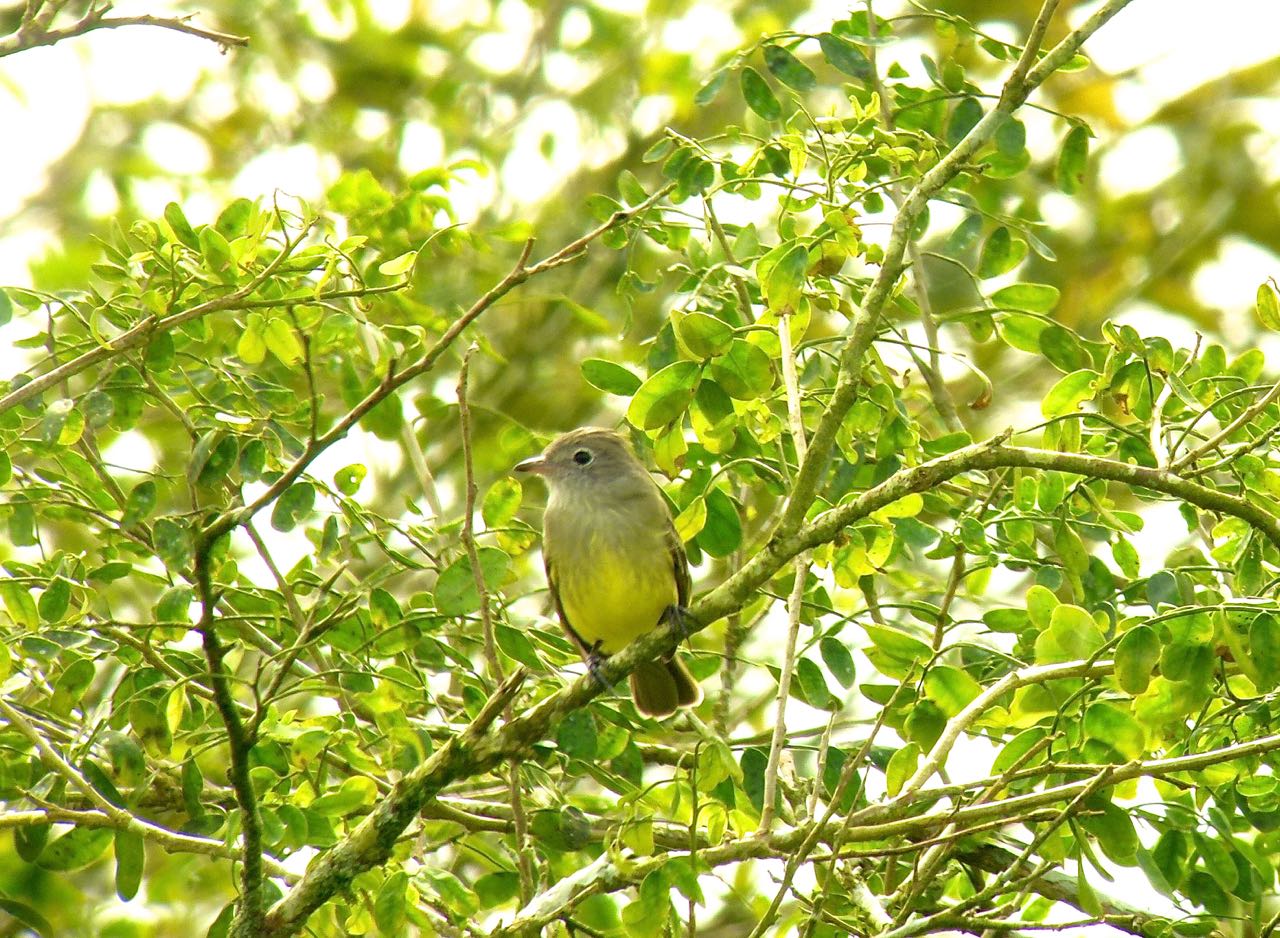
[(659, 687)]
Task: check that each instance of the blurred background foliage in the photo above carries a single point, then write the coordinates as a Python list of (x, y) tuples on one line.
[(552, 100)]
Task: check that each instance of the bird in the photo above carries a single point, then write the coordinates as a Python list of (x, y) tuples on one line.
[(615, 566)]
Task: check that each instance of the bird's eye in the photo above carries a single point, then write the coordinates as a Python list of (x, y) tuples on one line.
[(582, 457)]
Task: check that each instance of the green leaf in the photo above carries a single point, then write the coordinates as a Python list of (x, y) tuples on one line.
[(1066, 396), (175, 709), (1117, 728), (210, 466), (25, 914), (501, 502), (691, 519), (902, 765), (1162, 589), (29, 841), (1264, 649), (1084, 892), (160, 352), (564, 829), (391, 904), (630, 188), (707, 93), (384, 611), (704, 336), (838, 660), (1268, 307), (98, 778), (744, 372), (950, 688), (845, 56), (1015, 749), (6, 308), (495, 889), (1217, 861), (898, 645), (130, 857), (610, 377), (181, 227), (784, 281), (1072, 635), (516, 645), (356, 792), (1032, 297), (722, 533), (347, 479), (1000, 253), (192, 788), (1063, 349), (1021, 332), (1011, 137), (22, 522), (98, 409), (664, 396), (1072, 160), (811, 687), (216, 251), (19, 604), (251, 347), (455, 591), (1126, 557), (759, 96), (234, 220), (282, 340), (398, 265), (75, 849), (294, 505), (963, 119), (253, 459), (1051, 490), (788, 69), (140, 503), (576, 735), (55, 599), (1070, 549)]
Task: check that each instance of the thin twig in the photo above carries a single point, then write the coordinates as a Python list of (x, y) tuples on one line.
[(33, 34), (248, 920), (795, 602), (469, 522)]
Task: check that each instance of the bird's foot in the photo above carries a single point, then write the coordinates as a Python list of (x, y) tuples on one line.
[(595, 667), (679, 617)]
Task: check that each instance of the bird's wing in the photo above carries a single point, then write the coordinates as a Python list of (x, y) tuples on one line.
[(679, 565)]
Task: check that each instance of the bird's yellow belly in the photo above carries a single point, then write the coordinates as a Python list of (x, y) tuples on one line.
[(617, 600)]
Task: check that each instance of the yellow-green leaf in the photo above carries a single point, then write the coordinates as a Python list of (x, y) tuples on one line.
[(282, 340)]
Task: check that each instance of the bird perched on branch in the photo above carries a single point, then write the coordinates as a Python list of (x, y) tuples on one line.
[(615, 565)]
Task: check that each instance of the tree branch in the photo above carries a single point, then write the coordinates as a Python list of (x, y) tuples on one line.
[(735, 591), (370, 844), (249, 911), (34, 33)]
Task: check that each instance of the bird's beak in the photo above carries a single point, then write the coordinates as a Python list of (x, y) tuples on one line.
[(537, 465)]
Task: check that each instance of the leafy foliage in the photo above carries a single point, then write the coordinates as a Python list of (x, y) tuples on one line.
[(273, 620)]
